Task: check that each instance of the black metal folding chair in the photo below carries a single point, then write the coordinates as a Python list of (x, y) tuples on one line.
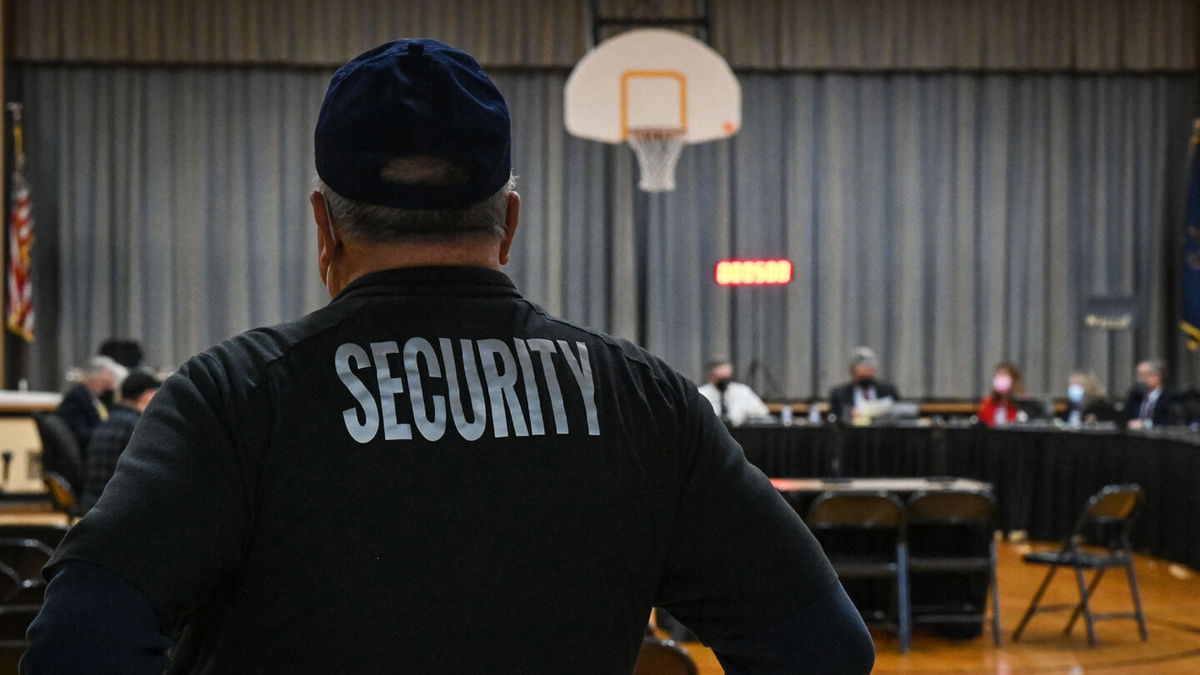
[(50, 535), (61, 453), (663, 657), (864, 536), (1112, 510), (951, 532), (21, 561)]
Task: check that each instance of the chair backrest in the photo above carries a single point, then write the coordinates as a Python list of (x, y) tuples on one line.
[(1114, 506), (25, 556), (60, 450), (865, 510), (952, 507), (663, 657)]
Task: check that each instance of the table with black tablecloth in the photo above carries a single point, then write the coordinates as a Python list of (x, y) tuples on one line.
[(1041, 476)]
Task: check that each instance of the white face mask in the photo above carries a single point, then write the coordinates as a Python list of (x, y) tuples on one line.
[(1075, 393)]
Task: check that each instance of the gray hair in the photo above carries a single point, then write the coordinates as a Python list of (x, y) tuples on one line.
[(1156, 366), (386, 224), (99, 365), (863, 356)]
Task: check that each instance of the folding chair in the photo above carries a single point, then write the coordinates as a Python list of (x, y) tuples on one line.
[(50, 535), (1114, 508), (663, 657), (951, 532), (61, 453), (21, 562), (863, 533)]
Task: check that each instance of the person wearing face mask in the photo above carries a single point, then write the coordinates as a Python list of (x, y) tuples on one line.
[(1150, 403), (864, 385), (1086, 403), (735, 403), (87, 402), (1000, 407)]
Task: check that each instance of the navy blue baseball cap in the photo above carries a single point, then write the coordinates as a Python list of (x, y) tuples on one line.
[(413, 98)]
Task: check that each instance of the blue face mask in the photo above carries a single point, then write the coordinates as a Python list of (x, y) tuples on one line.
[(1075, 393)]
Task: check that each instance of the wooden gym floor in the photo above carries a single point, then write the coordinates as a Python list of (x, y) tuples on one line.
[(1170, 598)]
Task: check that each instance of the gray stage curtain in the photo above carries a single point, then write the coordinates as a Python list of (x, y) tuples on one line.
[(1062, 35), (947, 220)]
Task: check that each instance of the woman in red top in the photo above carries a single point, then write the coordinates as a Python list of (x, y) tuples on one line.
[(999, 408)]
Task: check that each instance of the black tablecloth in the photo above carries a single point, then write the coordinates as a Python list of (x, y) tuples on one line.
[(1041, 477), (789, 451)]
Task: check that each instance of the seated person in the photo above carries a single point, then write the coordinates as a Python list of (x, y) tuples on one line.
[(1150, 403), (734, 402), (1001, 406), (86, 403), (1086, 403), (864, 386), (113, 434)]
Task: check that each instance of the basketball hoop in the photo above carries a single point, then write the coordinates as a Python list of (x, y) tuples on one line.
[(656, 90), (657, 153)]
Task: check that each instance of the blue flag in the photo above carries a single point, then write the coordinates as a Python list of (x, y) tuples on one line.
[(1190, 321)]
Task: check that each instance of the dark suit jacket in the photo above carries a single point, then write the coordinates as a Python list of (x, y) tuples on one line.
[(1164, 410), (841, 399), (78, 410)]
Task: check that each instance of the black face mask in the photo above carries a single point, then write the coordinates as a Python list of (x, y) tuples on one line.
[(867, 382), (723, 383), (108, 398)]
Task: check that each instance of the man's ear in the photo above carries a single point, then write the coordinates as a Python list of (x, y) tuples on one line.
[(327, 238), (511, 218)]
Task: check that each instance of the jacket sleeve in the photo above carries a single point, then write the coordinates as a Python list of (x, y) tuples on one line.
[(826, 635), (93, 621)]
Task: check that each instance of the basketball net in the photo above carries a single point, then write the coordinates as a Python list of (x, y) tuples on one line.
[(657, 153)]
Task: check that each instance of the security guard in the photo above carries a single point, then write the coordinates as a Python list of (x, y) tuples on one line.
[(431, 474)]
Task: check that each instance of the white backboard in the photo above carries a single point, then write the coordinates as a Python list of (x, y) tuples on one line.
[(651, 78)]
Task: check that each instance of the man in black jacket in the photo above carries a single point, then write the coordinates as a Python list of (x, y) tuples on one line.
[(431, 474), (1150, 402), (86, 403), (863, 387)]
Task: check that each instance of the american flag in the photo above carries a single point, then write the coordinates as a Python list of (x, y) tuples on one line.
[(20, 240)]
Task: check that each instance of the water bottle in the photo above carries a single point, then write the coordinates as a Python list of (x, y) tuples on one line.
[(814, 413), (785, 415)]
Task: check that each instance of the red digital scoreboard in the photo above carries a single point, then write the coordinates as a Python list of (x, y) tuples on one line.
[(753, 272)]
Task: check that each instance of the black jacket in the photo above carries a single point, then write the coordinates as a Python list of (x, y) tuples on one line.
[(1162, 414), (78, 410), (444, 449)]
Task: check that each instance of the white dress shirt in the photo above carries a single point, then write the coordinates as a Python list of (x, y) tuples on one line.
[(740, 404)]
